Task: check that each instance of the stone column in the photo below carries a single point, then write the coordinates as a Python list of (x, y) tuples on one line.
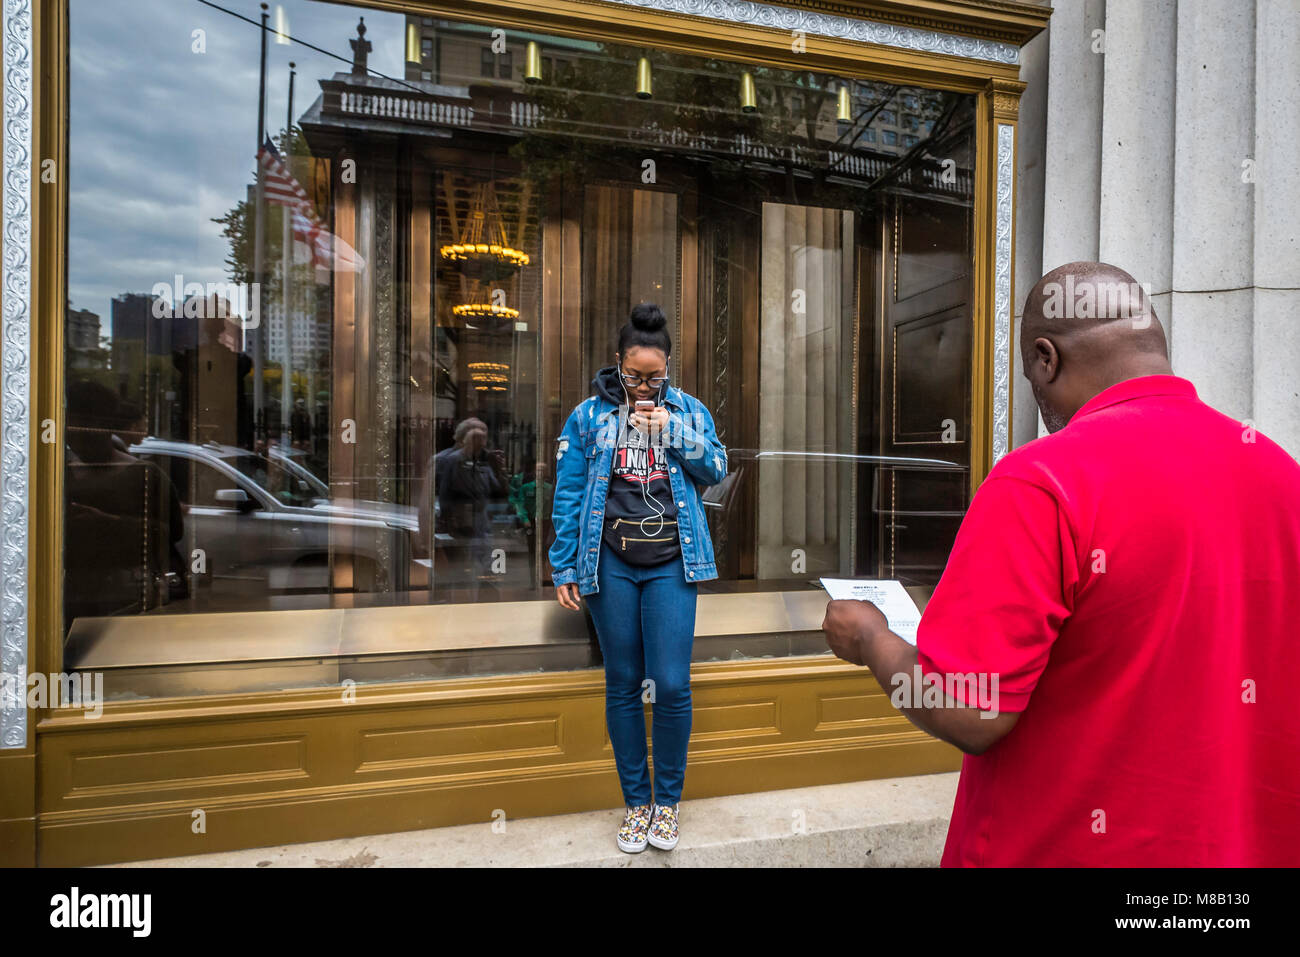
[(1137, 145), (1276, 296), (1213, 204), (1071, 161)]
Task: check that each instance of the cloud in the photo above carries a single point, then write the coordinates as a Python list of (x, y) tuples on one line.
[(162, 139)]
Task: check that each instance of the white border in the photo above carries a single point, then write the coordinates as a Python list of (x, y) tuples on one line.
[(15, 376), (1002, 318)]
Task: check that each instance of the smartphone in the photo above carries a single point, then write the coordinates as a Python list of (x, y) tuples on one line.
[(644, 404)]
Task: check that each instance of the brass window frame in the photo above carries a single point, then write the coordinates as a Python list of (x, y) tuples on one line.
[(996, 86)]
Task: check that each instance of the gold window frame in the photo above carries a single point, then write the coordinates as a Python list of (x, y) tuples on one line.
[(281, 766)]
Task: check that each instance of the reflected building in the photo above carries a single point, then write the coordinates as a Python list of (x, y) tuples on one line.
[(83, 338), (737, 210)]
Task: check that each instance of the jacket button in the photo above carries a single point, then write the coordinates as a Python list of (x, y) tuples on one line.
[(690, 574), (672, 468), (681, 504), (687, 539)]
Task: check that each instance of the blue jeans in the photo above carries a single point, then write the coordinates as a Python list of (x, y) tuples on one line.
[(645, 621)]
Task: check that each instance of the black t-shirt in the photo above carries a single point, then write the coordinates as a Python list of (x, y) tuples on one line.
[(641, 468)]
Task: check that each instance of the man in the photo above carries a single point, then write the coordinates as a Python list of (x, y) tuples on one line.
[(464, 478), (1132, 582)]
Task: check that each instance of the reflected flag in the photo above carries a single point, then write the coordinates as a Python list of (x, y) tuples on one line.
[(325, 249)]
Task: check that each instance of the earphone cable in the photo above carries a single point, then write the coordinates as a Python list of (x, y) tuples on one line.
[(650, 501)]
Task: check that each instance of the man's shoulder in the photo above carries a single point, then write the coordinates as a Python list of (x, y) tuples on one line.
[(1036, 460)]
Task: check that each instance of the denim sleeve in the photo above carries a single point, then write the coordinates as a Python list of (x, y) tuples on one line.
[(692, 440), (570, 486)]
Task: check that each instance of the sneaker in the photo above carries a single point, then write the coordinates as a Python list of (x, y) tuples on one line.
[(636, 824), (663, 828)]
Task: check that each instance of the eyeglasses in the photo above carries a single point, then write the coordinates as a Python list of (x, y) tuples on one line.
[(632, 381)]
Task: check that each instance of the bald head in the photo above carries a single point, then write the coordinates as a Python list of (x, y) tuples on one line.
[(1094, 302), (1087, 326)]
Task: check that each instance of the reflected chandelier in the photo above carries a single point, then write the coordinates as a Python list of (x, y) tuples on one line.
[(484, 236)]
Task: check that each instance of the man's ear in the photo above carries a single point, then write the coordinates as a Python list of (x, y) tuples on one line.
[(1047, 358)]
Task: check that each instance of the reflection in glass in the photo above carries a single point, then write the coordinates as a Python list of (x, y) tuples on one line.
[(327, 368)]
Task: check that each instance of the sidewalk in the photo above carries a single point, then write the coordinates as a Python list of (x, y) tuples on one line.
[(894, 822)]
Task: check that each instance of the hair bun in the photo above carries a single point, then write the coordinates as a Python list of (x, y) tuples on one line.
[(648, 317)]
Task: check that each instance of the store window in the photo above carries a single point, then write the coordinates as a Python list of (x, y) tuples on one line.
[(341, 387)]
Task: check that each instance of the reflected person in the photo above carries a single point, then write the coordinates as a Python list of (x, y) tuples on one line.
[(465, 478)]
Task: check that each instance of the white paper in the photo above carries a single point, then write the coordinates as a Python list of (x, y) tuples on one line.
[(888, 595)]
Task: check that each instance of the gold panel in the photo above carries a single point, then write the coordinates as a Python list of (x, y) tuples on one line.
[(426, 746), (722, 722), (154, 771), (305, 765), (854, 712)]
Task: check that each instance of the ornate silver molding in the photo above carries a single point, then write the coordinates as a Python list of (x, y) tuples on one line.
[(841, 28), (15, 377), (1002, 318)]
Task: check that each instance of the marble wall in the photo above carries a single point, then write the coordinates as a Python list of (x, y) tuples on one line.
[(1165, 143)]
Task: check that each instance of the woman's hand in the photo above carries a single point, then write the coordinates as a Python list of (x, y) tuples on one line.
[(567, 595), (655, 419)]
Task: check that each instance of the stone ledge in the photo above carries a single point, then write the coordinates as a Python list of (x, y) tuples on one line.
[(893, 822)]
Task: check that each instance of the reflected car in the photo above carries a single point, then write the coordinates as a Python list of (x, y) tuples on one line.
[(267, 520)]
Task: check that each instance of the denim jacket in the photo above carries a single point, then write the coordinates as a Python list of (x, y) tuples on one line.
[(584, 457)]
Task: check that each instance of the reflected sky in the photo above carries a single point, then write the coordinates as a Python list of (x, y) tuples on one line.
[(162, 139)]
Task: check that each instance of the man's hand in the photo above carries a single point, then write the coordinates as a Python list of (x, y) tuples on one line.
[(850, 626), (859, 633), (567, 595)]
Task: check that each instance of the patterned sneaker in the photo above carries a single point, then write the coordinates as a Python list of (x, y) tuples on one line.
[(663, 828), (636, 823)]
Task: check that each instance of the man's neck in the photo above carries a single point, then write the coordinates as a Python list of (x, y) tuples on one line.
[(1134, 368)]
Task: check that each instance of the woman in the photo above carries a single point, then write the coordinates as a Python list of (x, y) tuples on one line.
[(631, 537)]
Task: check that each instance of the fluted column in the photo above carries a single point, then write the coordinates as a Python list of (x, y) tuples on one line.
[(1072, 161), (1276, 296), (1213, 204), (1137, 145)]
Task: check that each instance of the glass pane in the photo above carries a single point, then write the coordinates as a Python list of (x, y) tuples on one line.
[(326, 369)]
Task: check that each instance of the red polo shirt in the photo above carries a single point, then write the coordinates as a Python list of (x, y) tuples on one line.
[(1133, 581)]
